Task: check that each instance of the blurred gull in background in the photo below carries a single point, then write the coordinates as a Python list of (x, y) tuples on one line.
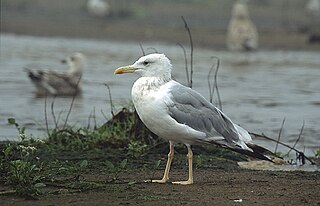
[(62, 84), (313, 7), (242, 34), (99, 8)]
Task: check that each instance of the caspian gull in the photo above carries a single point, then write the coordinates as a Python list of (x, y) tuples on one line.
[(181, 115), (55, 83), (242, 34)]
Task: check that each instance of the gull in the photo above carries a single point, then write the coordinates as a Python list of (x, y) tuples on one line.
[(180, 114), (242, 34), (99, 8), (313, 7), (54, 83)]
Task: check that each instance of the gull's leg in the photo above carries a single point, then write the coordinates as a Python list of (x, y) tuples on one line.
[(167, 170), (190, 179)]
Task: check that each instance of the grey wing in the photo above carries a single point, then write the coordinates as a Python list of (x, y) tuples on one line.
[(190, 108), (54, 82), (61, 80)]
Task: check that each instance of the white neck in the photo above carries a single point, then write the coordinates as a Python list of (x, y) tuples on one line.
[(152, 82), (75, 68)]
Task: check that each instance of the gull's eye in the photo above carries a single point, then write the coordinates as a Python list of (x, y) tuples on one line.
[(145, 63), (72, 58)]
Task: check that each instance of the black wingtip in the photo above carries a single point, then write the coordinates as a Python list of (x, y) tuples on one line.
[(255, 153), (35, 76)]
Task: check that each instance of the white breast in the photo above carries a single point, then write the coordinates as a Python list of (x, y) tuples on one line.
[(151, 104)]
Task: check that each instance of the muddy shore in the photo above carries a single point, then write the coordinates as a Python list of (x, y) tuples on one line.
[(218, 180), (212, 187)]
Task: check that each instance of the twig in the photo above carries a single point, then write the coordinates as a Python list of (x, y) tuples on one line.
[(94, 118), (110, 98), (59, 116), (216, 82), (295, 144), (276, 148), (92, 115), (191, 52), (215, 85), (104, 115), (52, 112), (71, 105), (211, 88), (7, 192), (142, 50), (46, 115), (69, 111), (283, 144), (185, 62), (89, 120)]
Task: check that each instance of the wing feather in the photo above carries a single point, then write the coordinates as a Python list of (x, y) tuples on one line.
[(191, 108)]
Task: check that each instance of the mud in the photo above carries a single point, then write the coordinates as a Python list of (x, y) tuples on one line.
[(211, 187)]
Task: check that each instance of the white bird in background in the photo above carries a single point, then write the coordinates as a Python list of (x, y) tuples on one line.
[(179, 114), (55, 83), (313, 7), (242, 34), (99, 8)]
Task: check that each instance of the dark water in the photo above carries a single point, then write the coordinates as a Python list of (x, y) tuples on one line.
[(258, 90)]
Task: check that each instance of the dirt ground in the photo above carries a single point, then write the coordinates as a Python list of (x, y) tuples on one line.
[(211, 187), (218, 180)]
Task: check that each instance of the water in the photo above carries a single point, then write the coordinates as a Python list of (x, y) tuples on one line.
[(258, 90)]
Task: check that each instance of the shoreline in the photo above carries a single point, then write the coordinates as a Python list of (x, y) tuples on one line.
[(147, 24), (203, 38)]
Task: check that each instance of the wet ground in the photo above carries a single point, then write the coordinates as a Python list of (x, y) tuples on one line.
[(212, 187), (217, 181)]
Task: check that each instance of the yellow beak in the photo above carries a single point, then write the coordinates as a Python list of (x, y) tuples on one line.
[(125, 69)]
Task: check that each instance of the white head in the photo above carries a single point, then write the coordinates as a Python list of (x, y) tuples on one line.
[(75, 62), (152, 65), (98, 8), (240, 10)]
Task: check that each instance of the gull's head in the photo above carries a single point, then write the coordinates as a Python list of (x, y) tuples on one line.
[(240, 10), (151, 65), (75, 62)]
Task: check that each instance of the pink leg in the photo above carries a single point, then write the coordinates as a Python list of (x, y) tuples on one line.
[(167, 170)]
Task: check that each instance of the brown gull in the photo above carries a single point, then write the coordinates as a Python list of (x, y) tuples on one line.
[(59, 83)]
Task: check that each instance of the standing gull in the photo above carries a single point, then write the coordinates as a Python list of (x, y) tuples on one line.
[(54, 83), (181, 115), (242, 33)]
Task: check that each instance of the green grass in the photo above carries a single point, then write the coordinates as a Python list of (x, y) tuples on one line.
[(79, 159), (62, 159)]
